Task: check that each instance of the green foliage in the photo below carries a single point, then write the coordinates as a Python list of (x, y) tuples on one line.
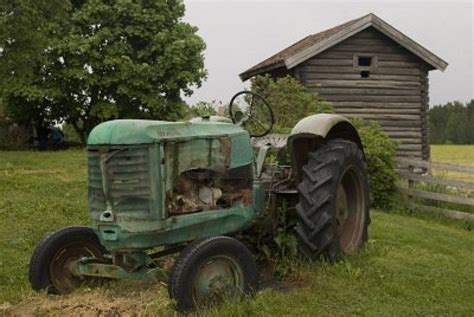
[(70, 134), (2, 109), (97, 60), (280, 248), (24, 35), (452, 123), (24, 41), (13, 137), (379, 152), (202, 109), (289, 100)]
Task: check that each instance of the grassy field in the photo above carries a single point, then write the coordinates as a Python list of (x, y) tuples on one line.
[(454, 154), (410, 266)]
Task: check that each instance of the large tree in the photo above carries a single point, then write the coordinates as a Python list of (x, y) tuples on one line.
[(24, 38), (109, 59)]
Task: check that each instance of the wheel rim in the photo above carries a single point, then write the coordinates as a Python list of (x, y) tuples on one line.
[(62, 265), (218, 278), (350, 211)]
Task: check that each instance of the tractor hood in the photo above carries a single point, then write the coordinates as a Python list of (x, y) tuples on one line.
[(119, 132)]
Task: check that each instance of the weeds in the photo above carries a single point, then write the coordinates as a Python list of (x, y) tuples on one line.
[(279, 248)]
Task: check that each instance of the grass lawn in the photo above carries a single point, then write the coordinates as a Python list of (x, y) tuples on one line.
[(454, 154), (410, 266)]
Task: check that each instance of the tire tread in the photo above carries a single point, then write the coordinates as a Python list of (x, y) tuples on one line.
[(316, 229)]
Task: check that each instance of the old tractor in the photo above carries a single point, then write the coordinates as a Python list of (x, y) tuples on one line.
[(157, 188)]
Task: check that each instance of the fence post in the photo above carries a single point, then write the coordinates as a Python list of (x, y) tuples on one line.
[(411, 184), (411, 170)]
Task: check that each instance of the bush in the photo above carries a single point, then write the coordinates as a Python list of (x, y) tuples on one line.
[(13, 136), (289, 100), (380, 155), (70, 135), (202, 109)]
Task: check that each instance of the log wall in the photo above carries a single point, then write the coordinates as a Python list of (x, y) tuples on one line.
[(395, 94)]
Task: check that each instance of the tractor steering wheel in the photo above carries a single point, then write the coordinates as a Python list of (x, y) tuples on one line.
[(252, 111)]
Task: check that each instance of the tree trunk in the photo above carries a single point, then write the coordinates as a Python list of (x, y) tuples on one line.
[(80, 132)]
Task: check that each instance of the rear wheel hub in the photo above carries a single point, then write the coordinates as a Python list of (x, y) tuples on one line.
[(350, 211)]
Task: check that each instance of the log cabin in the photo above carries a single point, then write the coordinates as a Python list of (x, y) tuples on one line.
[(366, 68)]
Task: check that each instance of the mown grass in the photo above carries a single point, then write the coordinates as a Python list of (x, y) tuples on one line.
[(453, 154), (40, 192), (410, 266)]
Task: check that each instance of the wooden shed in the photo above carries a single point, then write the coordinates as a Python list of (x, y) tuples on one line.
[(367, 69)]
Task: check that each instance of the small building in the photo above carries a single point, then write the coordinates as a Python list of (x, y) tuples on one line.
[(368, 69)]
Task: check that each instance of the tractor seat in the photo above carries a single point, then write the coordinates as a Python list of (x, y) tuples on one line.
[(273, 140)]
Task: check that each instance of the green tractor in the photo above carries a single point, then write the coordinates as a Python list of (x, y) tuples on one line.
[(157, 188)]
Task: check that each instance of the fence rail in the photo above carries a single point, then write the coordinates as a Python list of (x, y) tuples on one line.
[(409, 170), (440, 166)]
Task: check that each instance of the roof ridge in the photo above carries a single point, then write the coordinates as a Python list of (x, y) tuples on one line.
[(308, 46), (275, 59)]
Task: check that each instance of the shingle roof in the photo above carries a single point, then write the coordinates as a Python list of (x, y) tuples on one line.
[(323, 40)]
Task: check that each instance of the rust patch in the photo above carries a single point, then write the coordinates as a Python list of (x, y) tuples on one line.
[(225, 148), (247, 197)]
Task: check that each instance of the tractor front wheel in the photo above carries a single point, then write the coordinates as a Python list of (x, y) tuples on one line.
[(211, 270), (51, 265), (333, 209)]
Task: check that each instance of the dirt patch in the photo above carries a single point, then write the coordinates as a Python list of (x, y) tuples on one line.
[(127, 299)]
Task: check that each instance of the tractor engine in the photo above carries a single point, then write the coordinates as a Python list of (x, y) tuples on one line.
[(203, 189)]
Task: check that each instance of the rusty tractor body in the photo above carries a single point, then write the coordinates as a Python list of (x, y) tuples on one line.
[(189, 187)]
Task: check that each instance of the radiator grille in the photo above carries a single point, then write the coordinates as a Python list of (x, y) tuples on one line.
[(94, 182), (127, 179)]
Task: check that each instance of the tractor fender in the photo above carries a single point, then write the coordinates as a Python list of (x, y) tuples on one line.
[(310, 132)]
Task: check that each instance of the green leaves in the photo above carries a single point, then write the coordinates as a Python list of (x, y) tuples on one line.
[(289, 100), (202, 109), (380, 153), (102, 59)]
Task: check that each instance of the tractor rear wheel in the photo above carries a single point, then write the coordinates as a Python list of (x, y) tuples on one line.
[(333, 210), (210, 270), (51, 265)]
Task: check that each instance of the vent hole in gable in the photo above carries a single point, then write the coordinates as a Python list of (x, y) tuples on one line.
[(365, 74), (365, 61)]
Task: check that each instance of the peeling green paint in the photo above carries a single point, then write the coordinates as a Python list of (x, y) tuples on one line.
[(132, 166)]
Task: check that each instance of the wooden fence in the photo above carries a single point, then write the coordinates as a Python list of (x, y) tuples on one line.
[(416, 171)]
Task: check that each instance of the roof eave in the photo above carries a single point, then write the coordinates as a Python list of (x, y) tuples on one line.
[(255, 71)]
